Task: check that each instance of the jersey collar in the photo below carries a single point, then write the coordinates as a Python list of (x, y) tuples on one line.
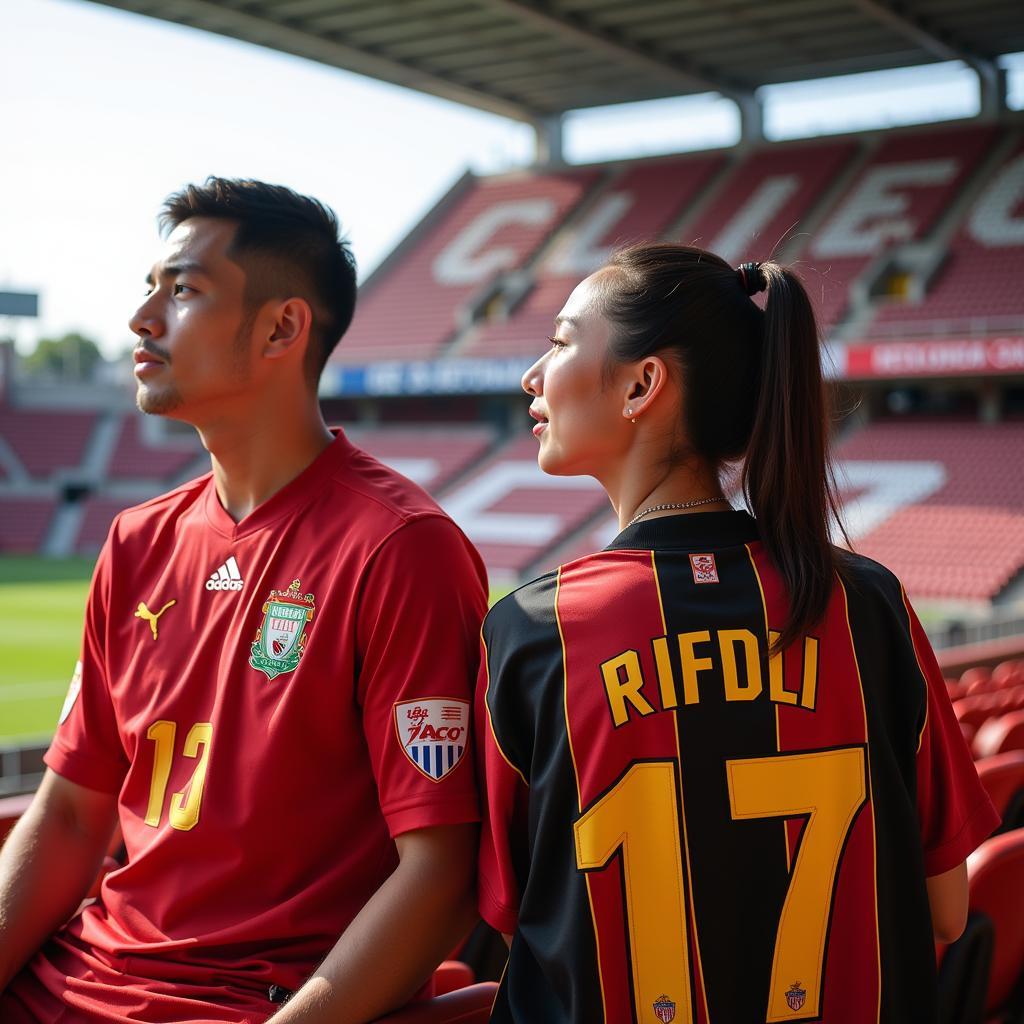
[(299, 491), (693, 531)]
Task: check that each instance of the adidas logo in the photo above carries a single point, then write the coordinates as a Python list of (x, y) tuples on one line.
[(227, 577)]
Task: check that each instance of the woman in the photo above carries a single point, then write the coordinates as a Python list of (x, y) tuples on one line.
[(724, 782)]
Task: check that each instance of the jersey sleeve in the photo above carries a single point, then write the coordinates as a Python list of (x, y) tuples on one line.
[(86, 746), (954, 811), (505, 796), (422, 599)]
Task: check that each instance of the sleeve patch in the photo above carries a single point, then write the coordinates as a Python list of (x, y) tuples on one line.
[(73, 691), (433, 733)]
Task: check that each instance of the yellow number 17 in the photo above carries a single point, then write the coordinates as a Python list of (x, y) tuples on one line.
[(640, 816)]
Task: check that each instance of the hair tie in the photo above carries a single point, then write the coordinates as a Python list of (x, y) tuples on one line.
[(751, 278)]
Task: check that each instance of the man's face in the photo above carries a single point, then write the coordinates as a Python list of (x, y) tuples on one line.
[(194, 346)]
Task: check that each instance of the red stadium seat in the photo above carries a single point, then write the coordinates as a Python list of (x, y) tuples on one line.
[(1009, 673), (451, 975), (973, 676), (996, 872), (1001, 734), (977, 709), (1002, 775), (983, 684), (470, 1005)]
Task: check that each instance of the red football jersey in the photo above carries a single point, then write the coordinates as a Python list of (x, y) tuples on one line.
[(272, 701), (682, 826)]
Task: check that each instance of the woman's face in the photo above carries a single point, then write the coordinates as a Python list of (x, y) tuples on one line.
[(579, 405)]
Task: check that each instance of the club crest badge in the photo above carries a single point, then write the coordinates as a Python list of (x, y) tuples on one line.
[(433, 733), (795, 996), (664, 1009), (704, 568), (281, 638)]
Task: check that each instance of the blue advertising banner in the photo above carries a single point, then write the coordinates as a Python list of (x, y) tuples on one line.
[(443, 377)]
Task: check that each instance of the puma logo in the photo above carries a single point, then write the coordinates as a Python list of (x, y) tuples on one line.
[(142, 612)]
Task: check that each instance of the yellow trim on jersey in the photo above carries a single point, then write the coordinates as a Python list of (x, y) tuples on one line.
[(768, 642), (874, 837), (579, 795), (487, 713), (682, 810)]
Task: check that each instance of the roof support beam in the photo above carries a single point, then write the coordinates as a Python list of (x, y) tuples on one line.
[(214, 17), (576, 31), (922, 32), (548, 148), (991, 78)]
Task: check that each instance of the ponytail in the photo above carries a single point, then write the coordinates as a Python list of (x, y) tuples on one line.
[(787, 477), (753, 391)]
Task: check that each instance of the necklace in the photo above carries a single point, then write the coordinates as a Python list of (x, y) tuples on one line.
[(671, 504)]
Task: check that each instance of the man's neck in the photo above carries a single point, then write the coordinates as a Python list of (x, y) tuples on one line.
[(255, 458)]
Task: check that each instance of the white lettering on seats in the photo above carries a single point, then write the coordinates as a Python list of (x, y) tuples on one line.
[(579, 252), (874, 214), (992, 220), (764, 203), (468, 504), (887, 487), (465, 260)]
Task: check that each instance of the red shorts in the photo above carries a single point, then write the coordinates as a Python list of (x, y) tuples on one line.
[(67, 983)]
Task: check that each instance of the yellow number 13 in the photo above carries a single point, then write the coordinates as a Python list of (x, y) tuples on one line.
[(184, 810), (640, 816)]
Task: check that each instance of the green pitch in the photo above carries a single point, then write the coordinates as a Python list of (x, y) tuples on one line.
[(41, 606)]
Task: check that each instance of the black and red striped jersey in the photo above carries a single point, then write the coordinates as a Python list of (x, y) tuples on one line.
[(684, 826)]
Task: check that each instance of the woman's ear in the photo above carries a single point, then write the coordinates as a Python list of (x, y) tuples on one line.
[(643, 384)]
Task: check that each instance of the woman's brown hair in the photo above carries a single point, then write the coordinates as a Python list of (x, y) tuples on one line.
[(753, 390)]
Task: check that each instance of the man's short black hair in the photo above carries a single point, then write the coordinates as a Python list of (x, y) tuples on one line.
[(287, 244)]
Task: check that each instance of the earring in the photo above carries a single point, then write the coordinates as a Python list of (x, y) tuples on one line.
[(629, 412)]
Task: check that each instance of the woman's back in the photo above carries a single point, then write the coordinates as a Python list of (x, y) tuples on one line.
[(682, 827)]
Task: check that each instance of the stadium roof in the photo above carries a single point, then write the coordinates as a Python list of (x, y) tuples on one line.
[(536, 59)]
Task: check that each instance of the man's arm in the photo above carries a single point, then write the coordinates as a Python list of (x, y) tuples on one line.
[(402, 933), (48, 863)]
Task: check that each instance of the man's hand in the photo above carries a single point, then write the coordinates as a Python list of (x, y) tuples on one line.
[(48, 864), (402, 933)]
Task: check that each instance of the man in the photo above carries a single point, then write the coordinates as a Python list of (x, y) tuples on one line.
[(273, 694)]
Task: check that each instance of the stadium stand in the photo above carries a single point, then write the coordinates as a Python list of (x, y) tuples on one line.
[(46, 440), (938, 488), (412, 306), (513, 512), (23, 523), (898, 197), (98, 514), (765, 200), (431, 455), (135, 457), (977, 286), (641, 202)]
